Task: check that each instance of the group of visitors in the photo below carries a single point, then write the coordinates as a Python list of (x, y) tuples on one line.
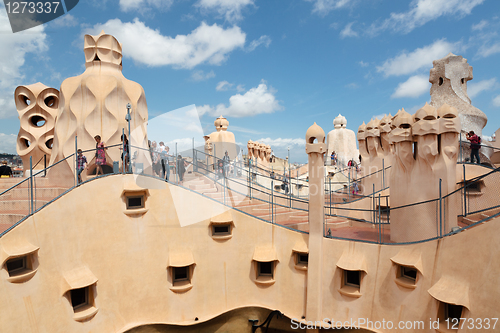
[(285, 186), (100, 158), (223, 166), (160, 157), (162, 161), (353, 165)]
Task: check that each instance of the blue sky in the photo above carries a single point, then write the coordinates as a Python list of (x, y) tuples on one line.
[(271, 67)]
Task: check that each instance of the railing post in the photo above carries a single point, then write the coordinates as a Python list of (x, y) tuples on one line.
[(124, 158), (272, 201), (440, 210), (349, 185), (465, 193), (383, 174), (129, 149), (76, 161), (224, 185), (128, 119), (330, 187), (195, 158), (387, 208), (31, 184), (250, 178), (45, 165), (461, 157), (373, 205), (379, 221)]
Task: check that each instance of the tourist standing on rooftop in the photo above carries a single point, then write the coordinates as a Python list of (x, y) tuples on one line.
[(225, 161), (100, 154), (81, 164), (475, 144), (333, 158), (5, 170), (161, 151), (167, 162), (181, 168), (126, 156)]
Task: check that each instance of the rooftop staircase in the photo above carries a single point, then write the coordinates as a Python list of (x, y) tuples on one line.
[(16, 203)]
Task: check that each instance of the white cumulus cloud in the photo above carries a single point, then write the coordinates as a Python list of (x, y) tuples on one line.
[(206, 44), (202, 76), (423, 11), (323, 7), (230, 9), (348, 32), (407, 63), (67, 20), (480, 26), (263, 40), (496, 101), (223, 86), (413, 87), (283, 142), (258, 100), (475, 88), (486, 50), (8, 143)]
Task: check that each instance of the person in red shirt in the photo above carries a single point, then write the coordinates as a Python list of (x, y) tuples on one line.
[(475, 145)]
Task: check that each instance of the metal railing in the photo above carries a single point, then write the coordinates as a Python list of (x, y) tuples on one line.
[(234, 183)]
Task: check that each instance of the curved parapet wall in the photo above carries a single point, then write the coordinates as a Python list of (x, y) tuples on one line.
[(95, 103), (37, 106), (124, 257)]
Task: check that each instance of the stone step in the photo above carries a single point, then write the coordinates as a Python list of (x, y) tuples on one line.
[(469, 220), (337, 224), (201, 186), (230, 200), (25, 193), (249, 208), (16, 205), (196, 181), (4, 227), (259, 211), (211, 193), (492, 211), (10, 219), (6, 183)]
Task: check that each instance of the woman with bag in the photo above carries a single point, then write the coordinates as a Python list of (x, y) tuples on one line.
[(100, 154)]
